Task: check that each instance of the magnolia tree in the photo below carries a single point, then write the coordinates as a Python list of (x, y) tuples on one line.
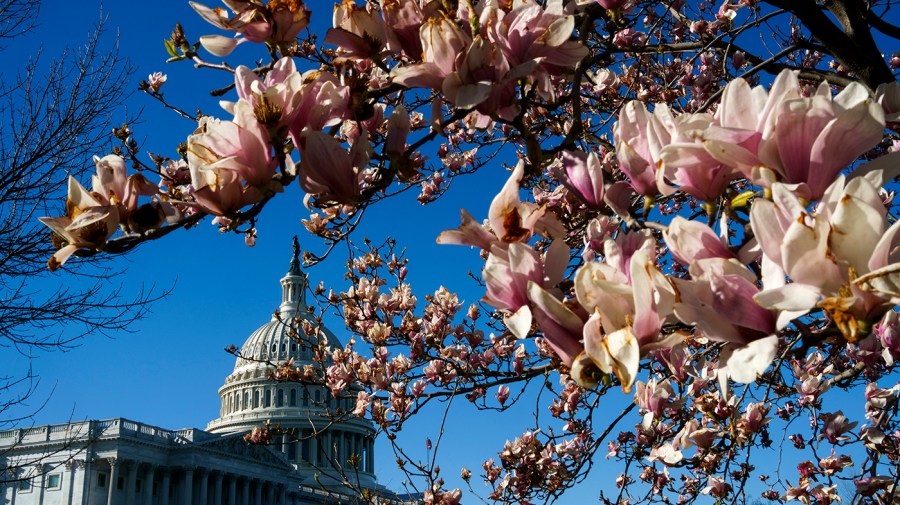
[(700, 217)]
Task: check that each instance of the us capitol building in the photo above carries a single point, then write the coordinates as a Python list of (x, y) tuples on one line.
[(118, 461)]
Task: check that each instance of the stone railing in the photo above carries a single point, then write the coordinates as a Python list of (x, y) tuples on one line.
[(97, 429)]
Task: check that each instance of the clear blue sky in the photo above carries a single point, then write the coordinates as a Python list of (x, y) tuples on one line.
[(166, 371)]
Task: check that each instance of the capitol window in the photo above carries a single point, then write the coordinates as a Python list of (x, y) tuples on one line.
[(101, 479), (54, 481), (24, 486)]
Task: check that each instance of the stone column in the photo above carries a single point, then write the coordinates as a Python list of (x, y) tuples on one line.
[(71, 467), (87, 478), (232, 490), (217, 490), (113, 482), (329, 448), (313, 450), (12, 487), (39, 481), (131, 482), (188, 491), (164, 488), (245, 492), (148, 485), (257, 493), (204, 486), (270, 493)]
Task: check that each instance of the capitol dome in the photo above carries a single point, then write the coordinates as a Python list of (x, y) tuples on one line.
[(315, 442)]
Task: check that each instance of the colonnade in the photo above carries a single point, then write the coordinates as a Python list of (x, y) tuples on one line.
[(332, 445), (136, 483)]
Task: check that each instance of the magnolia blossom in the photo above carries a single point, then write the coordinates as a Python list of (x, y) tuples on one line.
[(509, 219), (535, 40), (782, 136), (278, 21), (628, 299), (687, 164), (328, 171), (639, 137), (359, 31), (323, 102), (402, 19), (87, 224), (582, 174), (274, 100), (224, 155), (842, 254), (155, 81)]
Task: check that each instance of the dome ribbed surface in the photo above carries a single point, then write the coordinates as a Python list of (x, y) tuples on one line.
[(277, 342)]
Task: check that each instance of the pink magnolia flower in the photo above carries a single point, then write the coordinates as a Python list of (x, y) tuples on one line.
[(835, 426), (240, 145), (324, 102), (482, 81), (277, 21), (222, 156), (627, 309), (845, 239), (358, 31), (718, 302), (274, 99), (508, 275), (112, 185), (690, 241), (535, 40), (531, 32), (155, 81), (88, 223), (513, 220), (888, 97), (328, 171), (509, 220), (442, 41), (639, 137), (688, 164), (782, 136), (582, 174), (402, 19)]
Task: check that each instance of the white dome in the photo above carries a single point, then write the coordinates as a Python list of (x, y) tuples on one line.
[(277, 342), (250, 398)]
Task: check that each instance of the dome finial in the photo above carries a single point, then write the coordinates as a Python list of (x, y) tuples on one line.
[(295, 259)]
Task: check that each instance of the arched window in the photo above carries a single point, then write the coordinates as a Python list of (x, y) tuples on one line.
[(246, 404), (279, 398), (268, 397), (256, 399), (293, 397), (318, 396), (306, 398)]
